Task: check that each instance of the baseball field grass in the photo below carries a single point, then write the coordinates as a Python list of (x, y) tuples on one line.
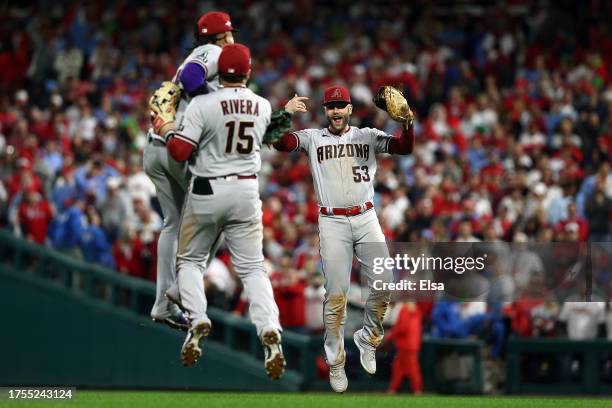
[(187, 399)]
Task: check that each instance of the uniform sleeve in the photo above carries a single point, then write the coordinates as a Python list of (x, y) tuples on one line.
[(207, 58), (287, 143), (192, 125), (185, 140), (192, 77), (304, 139), (380, 140), (404, 144)]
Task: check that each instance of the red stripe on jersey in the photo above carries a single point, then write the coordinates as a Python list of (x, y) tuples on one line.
[(180, 148), (403, 144), (287, 143)]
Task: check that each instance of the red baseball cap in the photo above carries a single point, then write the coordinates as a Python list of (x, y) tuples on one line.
[(235, 59), (336, 94), (214, 22)]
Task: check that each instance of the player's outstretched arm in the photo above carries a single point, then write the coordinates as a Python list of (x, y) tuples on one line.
[(289, 142), (179, 147), (405, 143), (182, 143)]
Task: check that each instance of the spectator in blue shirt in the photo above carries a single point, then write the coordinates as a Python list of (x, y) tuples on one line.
[(93, 242), (64, 190), (92, 177), (66, 230), (447, 323)]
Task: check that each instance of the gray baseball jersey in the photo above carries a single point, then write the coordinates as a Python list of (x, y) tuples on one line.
[(343, 167), (227, 127)]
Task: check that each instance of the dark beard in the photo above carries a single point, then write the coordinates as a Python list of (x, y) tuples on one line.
[(330, 123)]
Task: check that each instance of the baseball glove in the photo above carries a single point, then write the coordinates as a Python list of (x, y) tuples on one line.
[(279, 125), (392, 101), (163, 106)]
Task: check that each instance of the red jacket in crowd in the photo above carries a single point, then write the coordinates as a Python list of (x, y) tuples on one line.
[(407, 330), (128, 259), (291, 302), (21, 180), (34, 218), (407, 337)]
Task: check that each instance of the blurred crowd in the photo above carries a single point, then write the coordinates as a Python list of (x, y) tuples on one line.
[(513, 129)]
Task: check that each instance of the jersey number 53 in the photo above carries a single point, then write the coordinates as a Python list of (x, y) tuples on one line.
[(244, 142), (361, 174)]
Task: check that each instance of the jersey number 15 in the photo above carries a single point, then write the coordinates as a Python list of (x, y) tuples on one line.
[(244, 144)]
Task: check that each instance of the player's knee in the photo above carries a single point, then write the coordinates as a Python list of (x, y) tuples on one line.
[(336, 289), (335, 305), (184, 262), (248, 269)]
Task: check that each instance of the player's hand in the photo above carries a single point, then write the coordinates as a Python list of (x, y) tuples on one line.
[(296, 104), (159, 124)]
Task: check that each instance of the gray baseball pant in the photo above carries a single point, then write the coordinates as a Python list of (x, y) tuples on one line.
[(231, 207), (340, 237)]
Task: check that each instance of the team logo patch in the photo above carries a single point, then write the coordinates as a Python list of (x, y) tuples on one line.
[(336, 93), (203, 56)]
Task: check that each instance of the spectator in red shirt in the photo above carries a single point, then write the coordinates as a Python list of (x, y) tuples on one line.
[(574, 218), (519, 313), (289, 291), (24, 178), (406, 334), (35, 215), (126, 252)]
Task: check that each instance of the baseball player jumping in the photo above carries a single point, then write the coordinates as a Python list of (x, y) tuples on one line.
[(196, 75), (225, 130), (343, 164)]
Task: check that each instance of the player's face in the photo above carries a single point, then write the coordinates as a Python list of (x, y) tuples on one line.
[(338, 114)]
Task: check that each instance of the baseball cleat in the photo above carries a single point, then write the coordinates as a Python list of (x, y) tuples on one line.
[(274, 358), (173, 295), (337, 379), (191, 350), (178, 321), (367, 353)]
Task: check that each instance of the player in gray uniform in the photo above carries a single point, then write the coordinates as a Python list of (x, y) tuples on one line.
[(225, 129), (343, 165), (196, 75)]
